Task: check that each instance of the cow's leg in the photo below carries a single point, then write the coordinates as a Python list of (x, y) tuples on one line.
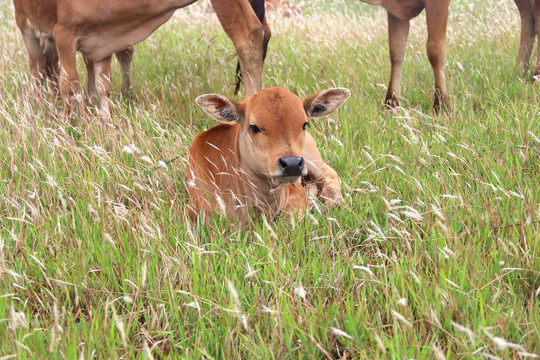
[(124, 58), (247, 33), (36, 60), (526, 44), (437, 18), (258, 6), (537, 28), (266, 39), (69, 78), (321, 174), (51, 60), (103, 87), (398, 31), (91, 86)]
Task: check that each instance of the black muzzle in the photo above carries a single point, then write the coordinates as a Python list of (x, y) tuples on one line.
[(291, 165)]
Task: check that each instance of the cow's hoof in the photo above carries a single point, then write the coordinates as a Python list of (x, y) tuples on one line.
[(391, 101), (441, 103)]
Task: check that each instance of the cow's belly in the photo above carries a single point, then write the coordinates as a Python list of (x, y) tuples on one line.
[(102, 42), (402, 9), (105, 29)]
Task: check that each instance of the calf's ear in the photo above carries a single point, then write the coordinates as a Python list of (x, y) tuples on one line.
[(220, 107), (326, 101)]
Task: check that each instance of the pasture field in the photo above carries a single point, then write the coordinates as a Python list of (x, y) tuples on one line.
[(435, 253)]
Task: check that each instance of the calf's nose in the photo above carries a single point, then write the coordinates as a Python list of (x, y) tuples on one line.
[(291, 165)]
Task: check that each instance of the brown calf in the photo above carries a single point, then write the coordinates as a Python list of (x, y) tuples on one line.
[(100, 28), (255, 162), (529, 11), (400, 12)]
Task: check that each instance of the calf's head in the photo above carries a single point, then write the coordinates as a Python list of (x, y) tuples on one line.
[(272, 125)]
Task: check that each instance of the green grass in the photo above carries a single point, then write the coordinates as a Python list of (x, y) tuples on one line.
[(434, 254)]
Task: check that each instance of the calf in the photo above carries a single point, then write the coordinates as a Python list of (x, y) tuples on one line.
[(400, 12), (99, 28), (529, 11), (254, 162)]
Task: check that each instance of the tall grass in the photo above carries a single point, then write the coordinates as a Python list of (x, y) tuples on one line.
[(435, 253)]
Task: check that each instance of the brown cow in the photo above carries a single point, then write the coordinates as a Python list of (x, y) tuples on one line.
[(43, 57), (400, 12), (529, 11), (100, 28), (254, 163)]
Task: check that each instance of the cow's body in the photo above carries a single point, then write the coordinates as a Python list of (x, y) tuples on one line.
[(529, 11), (254, 163), (36, 20), (100, 28), (400, 12)]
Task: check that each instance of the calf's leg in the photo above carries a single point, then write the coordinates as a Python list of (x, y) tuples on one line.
[(321, 174), (295, 199)]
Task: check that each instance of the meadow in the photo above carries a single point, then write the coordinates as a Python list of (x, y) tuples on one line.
[(435, 253)]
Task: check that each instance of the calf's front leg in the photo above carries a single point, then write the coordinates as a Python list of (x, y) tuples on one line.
[(321, 175), (295, 199)]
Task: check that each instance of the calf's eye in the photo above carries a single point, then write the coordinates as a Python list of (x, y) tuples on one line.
[(254, 129), (306, 126)]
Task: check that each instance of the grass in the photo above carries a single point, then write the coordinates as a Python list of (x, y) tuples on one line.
[(435, 253)]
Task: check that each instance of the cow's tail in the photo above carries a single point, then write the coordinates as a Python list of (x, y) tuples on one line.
[(258, 7)]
